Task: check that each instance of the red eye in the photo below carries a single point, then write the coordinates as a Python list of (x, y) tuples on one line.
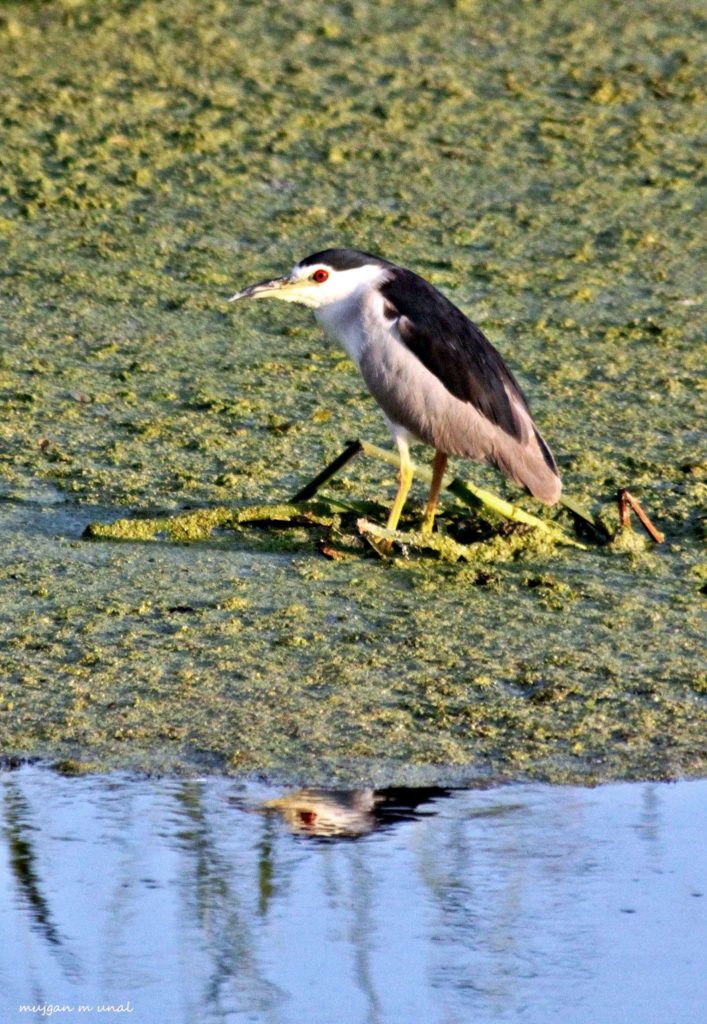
[(320, 276)]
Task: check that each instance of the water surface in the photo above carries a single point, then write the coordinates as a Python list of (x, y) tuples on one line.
[(215, 901)]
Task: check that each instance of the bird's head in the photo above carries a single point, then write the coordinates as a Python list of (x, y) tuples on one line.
[(321, 279)]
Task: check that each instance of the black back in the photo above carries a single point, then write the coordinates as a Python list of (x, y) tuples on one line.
[(453, 348)]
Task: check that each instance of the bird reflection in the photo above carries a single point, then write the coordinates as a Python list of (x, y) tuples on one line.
[(351, 814)]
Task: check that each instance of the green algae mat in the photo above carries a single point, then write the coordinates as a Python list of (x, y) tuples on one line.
[(540, 163)]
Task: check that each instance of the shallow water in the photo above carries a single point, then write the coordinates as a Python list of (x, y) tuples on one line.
[(194, 900)]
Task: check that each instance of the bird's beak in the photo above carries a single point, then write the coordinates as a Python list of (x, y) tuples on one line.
[(263, 289)]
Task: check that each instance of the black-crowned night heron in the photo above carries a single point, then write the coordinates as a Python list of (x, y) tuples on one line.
[(435, 375)]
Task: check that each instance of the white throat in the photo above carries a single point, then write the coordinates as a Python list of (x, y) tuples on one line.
[(343, 320), (340, 307)]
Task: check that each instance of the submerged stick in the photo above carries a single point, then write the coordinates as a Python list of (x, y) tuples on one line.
[(628, 502), (310, 489), (476, 497)]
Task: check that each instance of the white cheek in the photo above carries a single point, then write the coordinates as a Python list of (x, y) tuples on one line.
[(305, 297), (317, 295), (334, 290), (343, 285)]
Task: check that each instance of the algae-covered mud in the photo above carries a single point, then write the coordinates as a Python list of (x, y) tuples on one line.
[(539, 163)]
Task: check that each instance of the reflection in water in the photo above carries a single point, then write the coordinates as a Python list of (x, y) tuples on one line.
[(22, 862), (199, 901), (221, 911), (341, 814), (23, 866)]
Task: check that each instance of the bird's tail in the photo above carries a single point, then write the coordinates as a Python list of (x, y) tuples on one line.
[(532, 465)]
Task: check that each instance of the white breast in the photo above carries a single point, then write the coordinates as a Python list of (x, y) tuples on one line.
[(343, 320)]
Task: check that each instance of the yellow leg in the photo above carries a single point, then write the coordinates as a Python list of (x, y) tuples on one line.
[(438, 467), (404, 485)]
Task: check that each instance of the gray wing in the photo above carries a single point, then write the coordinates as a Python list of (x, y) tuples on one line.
[(454, 349), (458, 353)]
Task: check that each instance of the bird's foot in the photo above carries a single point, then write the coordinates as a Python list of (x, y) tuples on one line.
[(383, 547), (371, 533), (428, 524)]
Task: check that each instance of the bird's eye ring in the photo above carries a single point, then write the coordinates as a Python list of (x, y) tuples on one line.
[(320, 276)]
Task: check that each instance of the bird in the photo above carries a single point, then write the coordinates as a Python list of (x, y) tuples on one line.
[(434, 373)]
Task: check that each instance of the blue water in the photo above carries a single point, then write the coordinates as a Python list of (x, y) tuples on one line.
[(212, 901)]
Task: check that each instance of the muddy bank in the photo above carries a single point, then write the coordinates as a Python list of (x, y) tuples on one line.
[(540, 165)]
